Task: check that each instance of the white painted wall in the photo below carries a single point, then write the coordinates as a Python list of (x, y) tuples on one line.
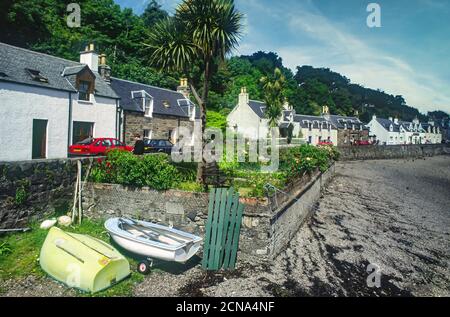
[(316, 134), (20, 104), (101, 111), (247, 121)]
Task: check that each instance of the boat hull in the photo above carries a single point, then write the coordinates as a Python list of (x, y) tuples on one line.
[(148, 249), (82, 262)]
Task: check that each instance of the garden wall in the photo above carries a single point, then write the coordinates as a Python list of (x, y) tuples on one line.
[(267, 226), (354, 153), (32, 189)]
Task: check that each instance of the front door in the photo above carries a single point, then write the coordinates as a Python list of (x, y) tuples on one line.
[(39, 139)]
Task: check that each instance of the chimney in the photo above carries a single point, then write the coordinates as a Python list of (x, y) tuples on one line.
[(374, 117), (184, 88), (103, 69), (287, 106), (396, 120), (244, 97), (90, 57), (390, 119)]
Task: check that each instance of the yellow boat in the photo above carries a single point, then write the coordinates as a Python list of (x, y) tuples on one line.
[(81, 261)]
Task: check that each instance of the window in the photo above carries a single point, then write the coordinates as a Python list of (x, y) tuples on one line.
[(84, 90), (82, 131), (36, 75), (310, 126), (117, 143), (148, 134), (148, 103), (107, 143), (310, 139)]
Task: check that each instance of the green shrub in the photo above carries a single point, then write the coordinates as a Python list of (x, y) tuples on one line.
[(5, 249), (306, 159), (125, 168)]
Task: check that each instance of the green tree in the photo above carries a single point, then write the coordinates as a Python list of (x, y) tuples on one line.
[(153, 14), (201, 30), (274, 96)]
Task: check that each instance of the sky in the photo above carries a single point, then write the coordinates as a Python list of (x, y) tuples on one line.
[(408, 55)]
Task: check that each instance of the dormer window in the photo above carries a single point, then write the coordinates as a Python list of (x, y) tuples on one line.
[(353, 127), (146, 101), (391, 128), (36, 75), (84, 90), (345, 126)]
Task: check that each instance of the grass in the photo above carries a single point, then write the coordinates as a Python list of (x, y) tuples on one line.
[(22, 259)]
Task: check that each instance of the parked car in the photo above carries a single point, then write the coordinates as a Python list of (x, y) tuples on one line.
[(97, 147), (158, 146), (325, 143), (363, 143)]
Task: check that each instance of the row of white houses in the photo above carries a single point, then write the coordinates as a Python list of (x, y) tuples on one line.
[(49, 103), (248, 119), (396, 132)]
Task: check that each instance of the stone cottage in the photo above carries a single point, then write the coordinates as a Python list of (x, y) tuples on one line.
[(153, 112)]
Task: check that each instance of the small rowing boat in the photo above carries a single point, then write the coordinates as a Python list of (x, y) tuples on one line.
[(153, 241), (81, 261)]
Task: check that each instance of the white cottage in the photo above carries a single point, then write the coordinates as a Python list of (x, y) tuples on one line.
[(395, 132), (248, 119), (49, 103)]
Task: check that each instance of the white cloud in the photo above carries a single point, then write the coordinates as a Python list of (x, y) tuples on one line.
[(330, 46)]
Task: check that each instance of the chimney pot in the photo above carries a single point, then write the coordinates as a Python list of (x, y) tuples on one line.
[(90, 58)]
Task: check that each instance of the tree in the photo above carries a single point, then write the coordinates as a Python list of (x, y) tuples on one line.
[(274, 96), (201, 30), (153, 14)]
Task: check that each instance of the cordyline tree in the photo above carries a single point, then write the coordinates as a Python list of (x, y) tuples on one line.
[(274, 96), (201, 33)]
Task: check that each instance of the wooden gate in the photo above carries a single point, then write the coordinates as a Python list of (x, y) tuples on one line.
[(222, 229)]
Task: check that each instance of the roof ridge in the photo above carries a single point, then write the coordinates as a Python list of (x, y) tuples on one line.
[(39, 53), (146, 85)]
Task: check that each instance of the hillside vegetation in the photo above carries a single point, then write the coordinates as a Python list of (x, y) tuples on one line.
[(121, 34)]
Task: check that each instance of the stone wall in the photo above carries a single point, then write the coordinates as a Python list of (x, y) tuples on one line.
[(267, 225), (392, 151), (33, 189), (136, 123)]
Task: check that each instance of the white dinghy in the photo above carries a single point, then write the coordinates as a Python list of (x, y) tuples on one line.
[(153, 241)]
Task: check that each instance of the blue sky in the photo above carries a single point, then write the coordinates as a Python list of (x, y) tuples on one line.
[(408, 55)]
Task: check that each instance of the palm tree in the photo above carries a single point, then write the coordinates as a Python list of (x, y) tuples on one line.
[(200, 33), (274, 96)]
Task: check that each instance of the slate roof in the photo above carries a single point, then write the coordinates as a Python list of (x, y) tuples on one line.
[(258, 107), (178, 104), (315, 120), (14, 61), (340, 121), (386, 124)]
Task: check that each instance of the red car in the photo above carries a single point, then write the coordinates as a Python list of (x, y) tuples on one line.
[(362, 143), (97, 147), (325, 143)]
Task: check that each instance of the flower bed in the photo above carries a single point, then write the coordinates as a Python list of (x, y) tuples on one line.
[(158, 172)]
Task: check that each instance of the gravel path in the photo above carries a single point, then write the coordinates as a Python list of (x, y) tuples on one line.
[(393, 214)]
